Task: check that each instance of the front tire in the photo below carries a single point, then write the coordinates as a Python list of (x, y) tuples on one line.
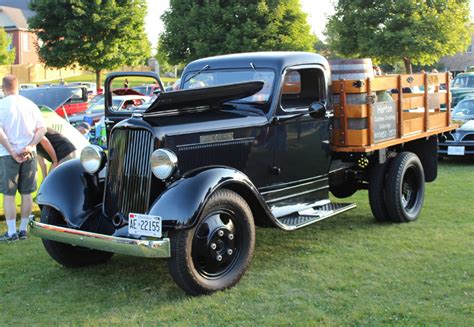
[(405, 189), (66, 254), (214, 254)]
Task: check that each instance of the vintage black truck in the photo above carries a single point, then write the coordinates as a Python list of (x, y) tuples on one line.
[(256, 139)]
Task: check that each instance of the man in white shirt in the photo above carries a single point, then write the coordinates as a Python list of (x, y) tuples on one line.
[(21, 128)]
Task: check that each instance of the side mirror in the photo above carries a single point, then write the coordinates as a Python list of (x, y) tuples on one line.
[(317, 110)]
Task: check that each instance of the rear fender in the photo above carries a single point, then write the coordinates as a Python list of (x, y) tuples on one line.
[(427, 151), (180, 205), (75, 193)]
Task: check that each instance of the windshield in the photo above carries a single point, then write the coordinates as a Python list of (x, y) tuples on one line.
[(464, 108), (223, 77), (463, 81)]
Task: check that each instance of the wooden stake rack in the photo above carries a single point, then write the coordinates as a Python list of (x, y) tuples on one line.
[(388, 116)]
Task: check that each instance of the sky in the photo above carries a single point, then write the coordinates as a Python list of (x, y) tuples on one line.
[(317, 10)]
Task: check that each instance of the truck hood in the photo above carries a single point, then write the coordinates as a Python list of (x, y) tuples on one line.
[(204, 97)]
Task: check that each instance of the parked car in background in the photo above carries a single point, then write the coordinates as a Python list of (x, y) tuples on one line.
[(462, 87), (28, 86), (464, 110), (91, 87), (95, 111), (461, 141), (65, 100)]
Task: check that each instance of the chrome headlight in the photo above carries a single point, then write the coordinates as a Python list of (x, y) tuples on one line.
[(93, 158), (163, 163)]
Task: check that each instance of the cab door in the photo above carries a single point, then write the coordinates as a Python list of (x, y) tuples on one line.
[(301, 147)]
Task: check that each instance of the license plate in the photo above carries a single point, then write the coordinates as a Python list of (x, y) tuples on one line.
[(456, 150), (144, 225)]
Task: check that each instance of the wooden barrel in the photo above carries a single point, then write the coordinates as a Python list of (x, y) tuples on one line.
[(351, 69)]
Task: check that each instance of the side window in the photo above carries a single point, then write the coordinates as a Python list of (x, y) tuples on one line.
[(300, 88)]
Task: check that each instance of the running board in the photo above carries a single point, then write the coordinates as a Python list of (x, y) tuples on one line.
[(310, 216)]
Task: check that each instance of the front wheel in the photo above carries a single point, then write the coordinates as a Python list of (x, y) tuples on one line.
[(214, 254), (405, 189), (66, 254)]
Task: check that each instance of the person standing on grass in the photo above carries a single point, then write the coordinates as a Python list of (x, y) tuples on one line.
[(21, 129), (55, 148)]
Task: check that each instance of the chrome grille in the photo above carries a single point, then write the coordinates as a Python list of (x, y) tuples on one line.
[(129, 173)]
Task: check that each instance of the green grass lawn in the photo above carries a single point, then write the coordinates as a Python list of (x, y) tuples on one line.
[(347, 270)]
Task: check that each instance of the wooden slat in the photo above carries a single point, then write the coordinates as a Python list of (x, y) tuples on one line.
[(369, 113), (400, 107), (437, 119), (412, 80), (443, 77), (343, 112), (384, 83), (448, 99), (353, 110), (386, 144), (350, 86), (413, 102), (426, 122)]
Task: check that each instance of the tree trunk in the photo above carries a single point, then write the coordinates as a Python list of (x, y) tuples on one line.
[(97, 78), (408, 68)]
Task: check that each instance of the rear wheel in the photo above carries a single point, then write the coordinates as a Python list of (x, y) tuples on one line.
[(66, 254), (405, 190), (214, 254), (377, 184)]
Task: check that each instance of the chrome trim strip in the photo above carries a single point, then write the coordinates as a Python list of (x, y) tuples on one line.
[(286, 188), (285, 185), (128, 246), (286, 197)]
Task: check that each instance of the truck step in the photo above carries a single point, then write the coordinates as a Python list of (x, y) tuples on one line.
[(309, 216)]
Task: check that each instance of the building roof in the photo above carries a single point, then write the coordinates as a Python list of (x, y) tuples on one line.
[(17, 12)]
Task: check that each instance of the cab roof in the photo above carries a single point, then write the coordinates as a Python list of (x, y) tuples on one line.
[(278, 60)]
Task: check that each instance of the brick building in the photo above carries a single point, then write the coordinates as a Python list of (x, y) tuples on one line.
[(14, 16)]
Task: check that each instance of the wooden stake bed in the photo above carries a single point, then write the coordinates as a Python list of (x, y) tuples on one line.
[(369, 117)]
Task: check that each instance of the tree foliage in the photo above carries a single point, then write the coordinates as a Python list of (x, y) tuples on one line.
[(415, 31), (96, 34), (7, 57), (195, 29)]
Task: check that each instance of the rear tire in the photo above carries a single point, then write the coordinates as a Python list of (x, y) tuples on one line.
[(377, 184), (405, 190), (66, 254), (214, 254)]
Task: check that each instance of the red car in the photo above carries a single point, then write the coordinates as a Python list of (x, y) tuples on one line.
[(74, 99)]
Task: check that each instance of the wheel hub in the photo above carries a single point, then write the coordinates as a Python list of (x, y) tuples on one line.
[(215, 247)]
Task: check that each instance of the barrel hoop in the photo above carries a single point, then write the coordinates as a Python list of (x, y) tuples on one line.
[(354, 71), (367, 61)]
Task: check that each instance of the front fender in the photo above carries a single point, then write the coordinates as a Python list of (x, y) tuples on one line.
[(72, 191), (180, 205)]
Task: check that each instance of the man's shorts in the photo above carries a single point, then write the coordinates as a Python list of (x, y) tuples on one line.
[(17, 176)]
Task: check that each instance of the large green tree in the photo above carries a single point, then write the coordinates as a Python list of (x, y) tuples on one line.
[(195, 29), (96, 34), (412, 31), (7, 54)]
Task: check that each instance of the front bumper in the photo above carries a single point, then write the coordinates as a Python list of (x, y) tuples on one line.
[(128, 246)]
